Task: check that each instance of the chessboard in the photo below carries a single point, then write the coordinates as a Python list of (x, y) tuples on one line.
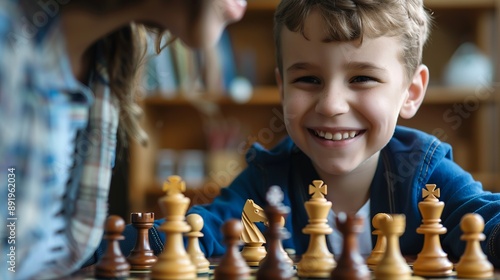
[(88, 274), (254, 261)]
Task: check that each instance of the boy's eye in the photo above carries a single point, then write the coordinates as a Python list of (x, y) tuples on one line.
[(307, 80), (362, 79)]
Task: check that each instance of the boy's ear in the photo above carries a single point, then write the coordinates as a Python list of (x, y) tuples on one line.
[(416, 92), (279, 82)]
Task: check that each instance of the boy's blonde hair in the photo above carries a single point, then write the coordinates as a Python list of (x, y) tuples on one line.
[(348, 20)]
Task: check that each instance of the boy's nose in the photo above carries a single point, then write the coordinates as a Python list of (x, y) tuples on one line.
[(332, 102)]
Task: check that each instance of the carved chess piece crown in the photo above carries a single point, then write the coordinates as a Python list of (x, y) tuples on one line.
[(317, 261), (432, 261), (174, 262)]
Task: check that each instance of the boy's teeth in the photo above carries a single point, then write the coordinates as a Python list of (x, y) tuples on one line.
[(337, 135)]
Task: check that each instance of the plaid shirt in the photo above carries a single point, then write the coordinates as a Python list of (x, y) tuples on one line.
[(57, 148)]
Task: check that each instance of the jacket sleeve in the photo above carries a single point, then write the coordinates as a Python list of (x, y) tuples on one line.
[(252, 183), (228, 205), (461, 195)]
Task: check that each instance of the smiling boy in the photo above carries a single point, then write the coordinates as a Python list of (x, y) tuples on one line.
[(346, 71)]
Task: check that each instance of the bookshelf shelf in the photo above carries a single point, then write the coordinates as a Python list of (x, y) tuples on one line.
[(263, 95), (268, 95), (262, 5), (447, 95), (451, 4)]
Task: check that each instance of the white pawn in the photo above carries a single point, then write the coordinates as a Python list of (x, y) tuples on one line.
[(473, 263), (193, 246), (379, 249), (392, 266)]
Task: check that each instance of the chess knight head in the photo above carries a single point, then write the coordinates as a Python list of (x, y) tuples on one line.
[(254, 212)]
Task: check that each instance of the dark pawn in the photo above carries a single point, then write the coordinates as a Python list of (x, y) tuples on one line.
[(113, 264), (142, 257), (274, 266), (351, 265), (232, 265)]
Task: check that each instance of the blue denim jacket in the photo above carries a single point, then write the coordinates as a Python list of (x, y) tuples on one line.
[(409, 161)]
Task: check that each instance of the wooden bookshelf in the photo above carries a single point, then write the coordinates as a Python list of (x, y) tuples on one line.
[(268, 95), (454, 4), (178, 123)]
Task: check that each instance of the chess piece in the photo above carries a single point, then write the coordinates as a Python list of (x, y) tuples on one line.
[(351, 265), (432, 261), (392, 266), (379, 249), (253, 250), (232, 265), (193, 244), (275, 266), (142, 257), (113, 264), (174, 262), (473, 264), (282, 250), (317, 261)]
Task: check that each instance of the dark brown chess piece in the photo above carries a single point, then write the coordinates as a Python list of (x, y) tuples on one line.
[(351, 265), (142, 257), (232, 265), (113, 264), (275, 266)]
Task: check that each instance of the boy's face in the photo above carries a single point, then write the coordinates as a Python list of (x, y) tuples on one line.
[(341, 100)]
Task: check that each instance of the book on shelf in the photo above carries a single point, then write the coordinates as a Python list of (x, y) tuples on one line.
[(167, 78), (180, 70), (159, 73), (227, 60)]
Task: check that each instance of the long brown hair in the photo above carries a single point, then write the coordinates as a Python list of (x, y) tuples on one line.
[(124, 51)]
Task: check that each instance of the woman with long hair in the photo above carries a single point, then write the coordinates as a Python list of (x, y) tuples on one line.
[(68, 77)]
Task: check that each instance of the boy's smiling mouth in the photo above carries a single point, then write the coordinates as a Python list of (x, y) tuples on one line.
[(336, 136)]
